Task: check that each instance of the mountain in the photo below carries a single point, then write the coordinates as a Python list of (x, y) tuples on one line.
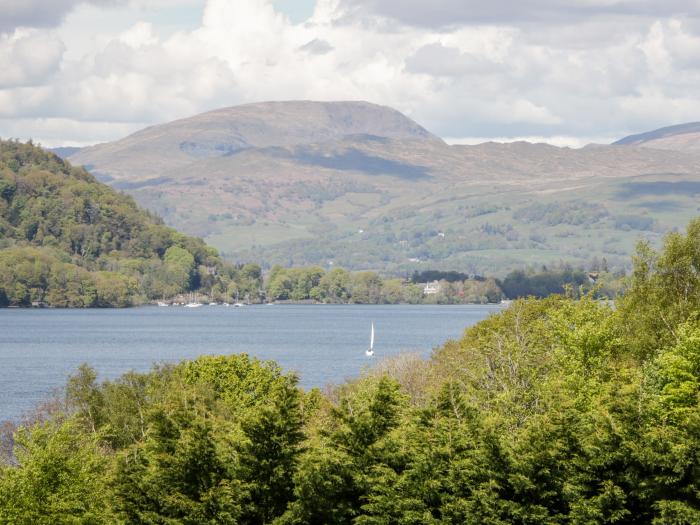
[(682, 137), (65, 151), (250, 127), (360, 185), (69, 240)]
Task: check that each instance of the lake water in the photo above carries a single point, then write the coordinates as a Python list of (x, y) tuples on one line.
[(323, 343)]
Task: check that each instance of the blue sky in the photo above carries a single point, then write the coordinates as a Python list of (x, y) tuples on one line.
[(296, 10)]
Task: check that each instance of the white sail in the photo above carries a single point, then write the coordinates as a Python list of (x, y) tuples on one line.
[(370, 351)]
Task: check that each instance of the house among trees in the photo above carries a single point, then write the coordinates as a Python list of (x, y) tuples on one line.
[(431, 288)]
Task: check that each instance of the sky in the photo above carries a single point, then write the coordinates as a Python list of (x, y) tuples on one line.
[(567, 72)]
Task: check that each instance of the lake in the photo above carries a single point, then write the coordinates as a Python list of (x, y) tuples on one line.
[(323, 343)]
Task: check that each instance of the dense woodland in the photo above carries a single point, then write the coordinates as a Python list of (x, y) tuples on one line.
[(68, 240), (313, 283), (556, 411), (341, 286)]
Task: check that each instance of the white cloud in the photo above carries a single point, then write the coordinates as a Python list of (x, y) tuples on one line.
[(509, 76), (556, 140), (438, 60), (28, 58), (140, 35), (65, 132)]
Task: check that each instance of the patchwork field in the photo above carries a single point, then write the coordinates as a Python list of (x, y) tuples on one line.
[(362, 186)]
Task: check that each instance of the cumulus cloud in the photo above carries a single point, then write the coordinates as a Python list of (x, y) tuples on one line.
[(63, 131), (28, 58), (439, 60), (492, 73)]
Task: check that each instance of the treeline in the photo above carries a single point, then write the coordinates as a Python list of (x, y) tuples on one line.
[(551, 281), (438, 275), (68, 240), (313, 283), (555, 411), (341, 286)]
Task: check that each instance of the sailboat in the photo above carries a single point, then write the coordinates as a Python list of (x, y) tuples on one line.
[(370, 352), (193, 303)]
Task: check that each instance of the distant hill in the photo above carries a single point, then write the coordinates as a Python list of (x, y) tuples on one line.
[(363, 186), (229, 131), (68, 240), (682, 137), (65, 152)]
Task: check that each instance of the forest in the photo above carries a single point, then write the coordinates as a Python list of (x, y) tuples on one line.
[(68, 240), (564, 410), (313, 283)]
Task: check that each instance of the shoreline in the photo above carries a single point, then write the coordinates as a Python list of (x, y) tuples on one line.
[(284, 303)]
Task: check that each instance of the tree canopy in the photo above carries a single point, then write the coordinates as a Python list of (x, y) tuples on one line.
[(564, 410), (68, 240)]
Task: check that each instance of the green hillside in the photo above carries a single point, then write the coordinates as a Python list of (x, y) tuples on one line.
[(68, 240), (307, 183)]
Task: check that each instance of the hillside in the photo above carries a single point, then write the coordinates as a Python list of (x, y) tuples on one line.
[(362, 186), (682, 137), (69, 240), (229, 131)]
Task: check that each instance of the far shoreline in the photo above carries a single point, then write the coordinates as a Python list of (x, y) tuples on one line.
[(284, 303)]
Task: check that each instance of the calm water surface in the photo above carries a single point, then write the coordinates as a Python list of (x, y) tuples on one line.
[(323, 343)]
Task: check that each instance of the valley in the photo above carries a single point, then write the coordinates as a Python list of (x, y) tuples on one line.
[(361, 186)]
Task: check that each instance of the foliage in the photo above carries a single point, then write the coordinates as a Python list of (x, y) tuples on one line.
[(436, 275), (520, 283), (68, 240), (340, 286), (664, 288), (552, 214), (564, 410), (59, 477)]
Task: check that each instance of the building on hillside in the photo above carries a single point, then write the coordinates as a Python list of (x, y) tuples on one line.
[(431, 288)]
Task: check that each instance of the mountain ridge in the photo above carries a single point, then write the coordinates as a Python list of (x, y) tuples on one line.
[(294, 183), (680, 137), (666, 131)]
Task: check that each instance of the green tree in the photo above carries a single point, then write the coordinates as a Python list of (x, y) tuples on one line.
[(270, 453), (71, 241), (179, 266), (366, 288), (335, 286), (664, 289), (59, 478), (179, 474), (333, 478)]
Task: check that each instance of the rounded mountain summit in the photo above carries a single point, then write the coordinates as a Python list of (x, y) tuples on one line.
[(227, 131)]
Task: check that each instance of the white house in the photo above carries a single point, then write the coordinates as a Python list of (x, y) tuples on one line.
[(431, 288)]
